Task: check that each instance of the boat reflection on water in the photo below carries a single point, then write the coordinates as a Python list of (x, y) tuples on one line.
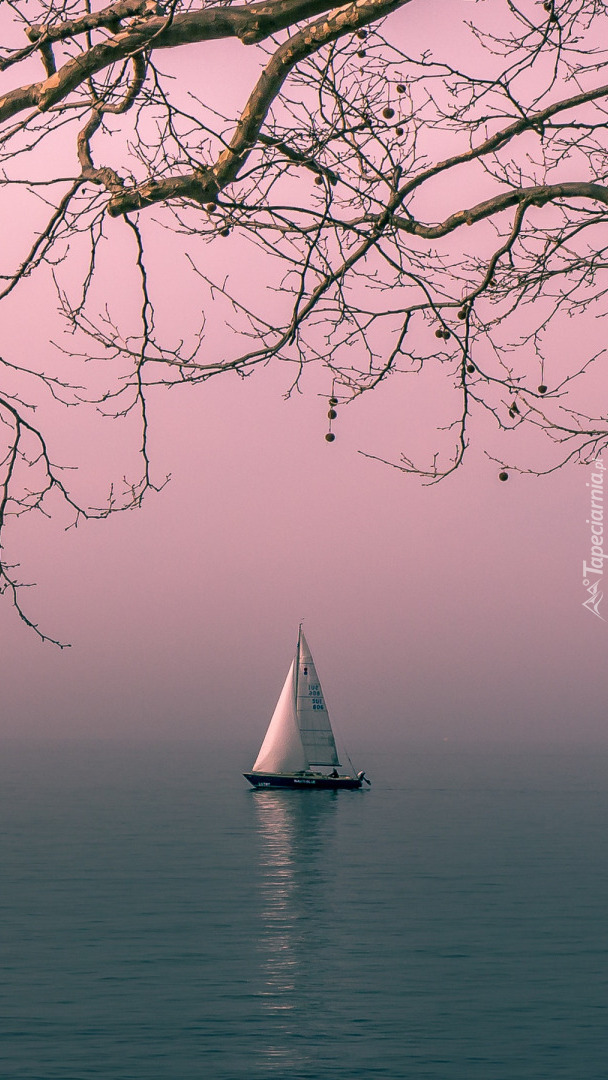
[(295, 836)]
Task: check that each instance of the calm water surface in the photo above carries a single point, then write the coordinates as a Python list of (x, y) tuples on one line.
[(160, 920)]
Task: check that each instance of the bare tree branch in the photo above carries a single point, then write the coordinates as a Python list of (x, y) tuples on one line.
[(406, 210)]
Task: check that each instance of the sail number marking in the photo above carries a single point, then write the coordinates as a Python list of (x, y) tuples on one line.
[(316, 698)]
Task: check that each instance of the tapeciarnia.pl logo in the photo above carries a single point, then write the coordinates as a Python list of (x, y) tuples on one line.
[(593, 571)]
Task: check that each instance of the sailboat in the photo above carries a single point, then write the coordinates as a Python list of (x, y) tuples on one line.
[(299, 739)]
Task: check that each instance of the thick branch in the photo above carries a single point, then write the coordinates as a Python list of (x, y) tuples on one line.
[(530, 196), (307, 41), (301, 45), (250, 24), (200, 186), (109, 16)]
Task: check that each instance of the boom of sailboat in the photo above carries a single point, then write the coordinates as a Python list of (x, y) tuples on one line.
[(299, 741)]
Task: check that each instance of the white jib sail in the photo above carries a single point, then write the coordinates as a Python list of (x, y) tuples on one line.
[(313, 718), (282, 750)]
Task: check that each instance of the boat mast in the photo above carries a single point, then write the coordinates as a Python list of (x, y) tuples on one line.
[(298, 664)]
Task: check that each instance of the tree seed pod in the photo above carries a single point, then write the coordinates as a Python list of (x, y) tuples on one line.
[(542, 389), (362, 54), (439, 333), (225, 232), (400, 88), (503, 476), (462, 314), (399, 131), (318, 180), (333, 401), (332, 414), (471, 369), (446, 335), (388, 113), (211, 207), (362, 34), (330, 436)]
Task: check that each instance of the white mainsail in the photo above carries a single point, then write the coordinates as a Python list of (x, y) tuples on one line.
[(313, 718), (299, 734)]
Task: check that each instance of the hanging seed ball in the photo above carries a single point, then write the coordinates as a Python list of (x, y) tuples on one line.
[(542, 389), (446, 335), (400, 88), (330, 436), (471, 369), (333, 401), (439, 333), (399, 131), (361, 34), (462, 314), (318, 180), (388, 113), (211, 207), (332, 414), (503, 476), (547, 6), (361, 54), (225, 232)]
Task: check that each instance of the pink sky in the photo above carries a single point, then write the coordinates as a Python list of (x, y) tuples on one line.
[(452, 611)]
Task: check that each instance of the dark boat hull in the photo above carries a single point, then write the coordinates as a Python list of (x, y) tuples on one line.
[(301, 781)]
